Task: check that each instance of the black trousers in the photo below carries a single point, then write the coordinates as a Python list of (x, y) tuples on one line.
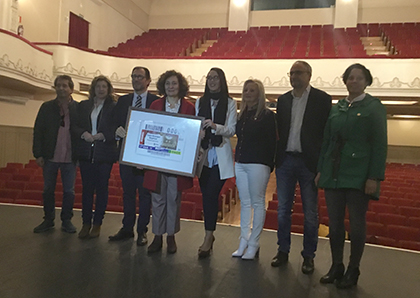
[(211, 185), (357, 203)]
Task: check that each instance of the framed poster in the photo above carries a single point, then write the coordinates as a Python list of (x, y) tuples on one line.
[(162, 141)]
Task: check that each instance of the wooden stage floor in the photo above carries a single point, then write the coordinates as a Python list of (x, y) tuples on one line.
[(57, 265)]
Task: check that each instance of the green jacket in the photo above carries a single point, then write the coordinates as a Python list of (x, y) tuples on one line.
[(355, 145)]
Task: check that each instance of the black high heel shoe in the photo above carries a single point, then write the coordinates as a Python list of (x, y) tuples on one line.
[(349, 279), (336, 272), (202, 254)]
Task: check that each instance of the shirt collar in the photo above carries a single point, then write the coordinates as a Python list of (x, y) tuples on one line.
[(307, 90), (143, 95), (358, 98)]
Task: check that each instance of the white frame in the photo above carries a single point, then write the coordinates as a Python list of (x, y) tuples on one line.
[(148, 129)]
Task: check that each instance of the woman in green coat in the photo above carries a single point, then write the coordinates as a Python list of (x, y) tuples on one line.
[(350, 168)]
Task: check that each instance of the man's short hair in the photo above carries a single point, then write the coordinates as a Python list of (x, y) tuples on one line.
[(306, 64), (64, 78), (146, 71)]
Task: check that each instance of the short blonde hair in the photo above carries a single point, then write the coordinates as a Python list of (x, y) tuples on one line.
[(261, 97)]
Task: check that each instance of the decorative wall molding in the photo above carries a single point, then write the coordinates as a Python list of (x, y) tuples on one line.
[(28, 70)]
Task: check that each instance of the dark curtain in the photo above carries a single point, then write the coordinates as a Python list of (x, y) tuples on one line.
[(78, 31)]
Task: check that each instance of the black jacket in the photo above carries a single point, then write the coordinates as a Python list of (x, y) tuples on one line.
[(314, 119), (257, 138), (46, 128), (101, 151)]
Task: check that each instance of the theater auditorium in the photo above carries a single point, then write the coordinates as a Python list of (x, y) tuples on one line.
[(247, 39)]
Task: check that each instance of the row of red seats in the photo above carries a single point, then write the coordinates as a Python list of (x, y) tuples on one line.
[(27, 188)]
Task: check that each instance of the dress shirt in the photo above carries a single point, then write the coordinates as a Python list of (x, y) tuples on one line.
[(94, 116), (211, 154), (298, 110), (62, 152), (143, 101), (175, 109)]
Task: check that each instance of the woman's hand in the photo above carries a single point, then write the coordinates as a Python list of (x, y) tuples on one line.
[(200, 155), (371, 186), (317, 177), (209, 123), (87, 137), (202, 134)]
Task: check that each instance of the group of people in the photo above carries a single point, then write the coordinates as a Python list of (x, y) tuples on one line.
[(340, 148)]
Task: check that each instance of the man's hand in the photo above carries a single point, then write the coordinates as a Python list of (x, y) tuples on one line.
[(120, 132), (99, 137), (40, 162), (87, 137)]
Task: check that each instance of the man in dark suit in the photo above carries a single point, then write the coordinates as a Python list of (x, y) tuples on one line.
[(132, 177), (301, 115)]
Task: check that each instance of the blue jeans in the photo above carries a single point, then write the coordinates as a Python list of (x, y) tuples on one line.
[(131, 182), (291, 171), (95, 178), (68, 176)]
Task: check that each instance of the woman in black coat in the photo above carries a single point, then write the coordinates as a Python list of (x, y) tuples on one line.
[(97, 151)]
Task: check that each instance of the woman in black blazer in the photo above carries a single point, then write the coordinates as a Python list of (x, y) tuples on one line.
[(97, 152)]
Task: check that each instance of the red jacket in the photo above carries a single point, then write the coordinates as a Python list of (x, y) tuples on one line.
[(151, 177)]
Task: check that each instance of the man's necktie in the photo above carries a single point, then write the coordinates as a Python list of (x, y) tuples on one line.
[(138, 102)]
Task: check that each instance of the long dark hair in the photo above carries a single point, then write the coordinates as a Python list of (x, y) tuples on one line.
[(224, 92)]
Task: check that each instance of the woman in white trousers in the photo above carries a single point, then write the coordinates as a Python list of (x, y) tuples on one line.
[(254, 157)]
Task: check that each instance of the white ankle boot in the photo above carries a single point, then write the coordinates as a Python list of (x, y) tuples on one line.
[(252, 252), (242, 246)]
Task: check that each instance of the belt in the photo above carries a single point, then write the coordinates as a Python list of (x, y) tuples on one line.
[(294, 153)]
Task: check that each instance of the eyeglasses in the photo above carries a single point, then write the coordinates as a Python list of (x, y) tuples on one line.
[(212, 78), (297, 72), (140, 77)]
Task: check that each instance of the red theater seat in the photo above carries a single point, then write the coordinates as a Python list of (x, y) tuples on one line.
[(271, 220)]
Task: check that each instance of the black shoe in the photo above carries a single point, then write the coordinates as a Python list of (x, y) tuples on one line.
[(280, 259), (142, 239), (46, 225), (308, 265), (336, 273), (170, 241), (68, 227), (121, 235), (349, 279), (156, 245)]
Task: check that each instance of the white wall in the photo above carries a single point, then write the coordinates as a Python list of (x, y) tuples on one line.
[(48, 20), (346, 13), (188, 14), (315, 16), (384, 11), (404, 132), (19, 115)]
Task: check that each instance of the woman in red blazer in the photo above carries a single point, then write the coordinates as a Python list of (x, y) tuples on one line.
[(167, 188)]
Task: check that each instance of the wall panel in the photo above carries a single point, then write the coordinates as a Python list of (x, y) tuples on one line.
[(15, 144)]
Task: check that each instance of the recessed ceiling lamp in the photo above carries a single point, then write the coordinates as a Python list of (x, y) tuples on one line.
[(239, 3)]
